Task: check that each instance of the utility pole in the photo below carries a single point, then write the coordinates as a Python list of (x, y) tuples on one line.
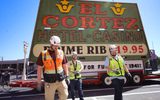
[(1, 62), (25, 45)]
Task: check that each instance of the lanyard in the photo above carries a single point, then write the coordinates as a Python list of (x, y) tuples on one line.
[(75, 66)]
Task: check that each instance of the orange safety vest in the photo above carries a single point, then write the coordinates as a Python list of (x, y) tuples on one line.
[(49, 65)]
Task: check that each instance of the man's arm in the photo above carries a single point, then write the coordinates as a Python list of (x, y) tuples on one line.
[(108, 69), (82, 67), (125, 67), (127, 71), (39, 73), (39, 67), (106, 64), (65, 67)]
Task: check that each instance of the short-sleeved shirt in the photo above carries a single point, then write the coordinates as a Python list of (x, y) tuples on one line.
[(106, 62), (52, 54)]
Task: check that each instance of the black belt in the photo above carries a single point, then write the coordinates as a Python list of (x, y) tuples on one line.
[(76, 79)]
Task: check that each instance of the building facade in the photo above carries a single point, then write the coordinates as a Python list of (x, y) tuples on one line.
[(16, 66)]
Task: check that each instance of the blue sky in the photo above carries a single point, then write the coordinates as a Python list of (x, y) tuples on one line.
[(18, 18)]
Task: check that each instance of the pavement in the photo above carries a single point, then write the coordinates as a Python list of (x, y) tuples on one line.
[(150, 92), (4, 92), (14, 90), (156, 72)]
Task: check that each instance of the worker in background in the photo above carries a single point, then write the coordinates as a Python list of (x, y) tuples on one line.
[(75, 68), (153, 60), (6, 77), (0, 76), (55, 70), (116, 70)]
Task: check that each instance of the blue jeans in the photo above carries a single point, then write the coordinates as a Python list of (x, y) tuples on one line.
[(76, 85)]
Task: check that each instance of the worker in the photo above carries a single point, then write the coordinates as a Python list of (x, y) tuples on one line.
[(55, 70), (75, 68), (6, 77), (116, 70), (153, 60)]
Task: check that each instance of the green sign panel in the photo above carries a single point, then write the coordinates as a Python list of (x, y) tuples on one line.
[(88, 27)]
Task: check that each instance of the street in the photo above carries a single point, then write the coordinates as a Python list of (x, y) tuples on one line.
[(149, 90)]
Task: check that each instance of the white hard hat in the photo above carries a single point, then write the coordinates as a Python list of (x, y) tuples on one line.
[(55, 40), (74, 53), (112, 47)]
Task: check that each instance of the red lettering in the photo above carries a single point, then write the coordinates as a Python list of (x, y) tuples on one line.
[(46, 22), (131, 22), (87, 22), (103, 23), (72, 21), (90, 22), (98, 10), (117, 23), (85, 8)]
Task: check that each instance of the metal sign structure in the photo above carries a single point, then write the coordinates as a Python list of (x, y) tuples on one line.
[(88, 27)]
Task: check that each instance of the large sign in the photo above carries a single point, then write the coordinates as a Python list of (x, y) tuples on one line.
[(88, 27), (91, 69)]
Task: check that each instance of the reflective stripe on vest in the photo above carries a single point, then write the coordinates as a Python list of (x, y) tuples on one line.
[(116, 65), (49, 65), (72, 69)]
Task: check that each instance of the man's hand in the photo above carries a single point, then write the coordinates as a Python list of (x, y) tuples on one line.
[(77, 73), (39, 85), (116, 71), (129, 74), (67, 80)]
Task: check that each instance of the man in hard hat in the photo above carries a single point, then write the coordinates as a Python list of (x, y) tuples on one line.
[(75, 68), (54, 71), (116, 70)]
